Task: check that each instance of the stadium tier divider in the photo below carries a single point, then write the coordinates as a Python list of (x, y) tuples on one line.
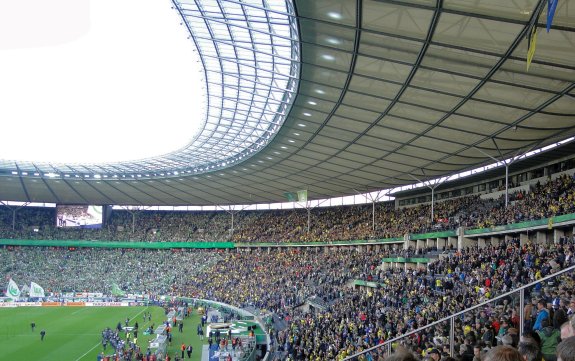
[(543, 223)]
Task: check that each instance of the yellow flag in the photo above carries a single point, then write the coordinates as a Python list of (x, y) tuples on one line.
[(531, 46)]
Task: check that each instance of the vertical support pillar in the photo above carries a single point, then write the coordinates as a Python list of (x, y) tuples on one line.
[(507, 163), (308, 218), (231, 210), (436, 183), (523, 238), (521, 312), (373, 216), (432, 204), (495, 240), (232, 229), (506, 184), (557, 234), (452, 335), (541, 237), (481, 242)]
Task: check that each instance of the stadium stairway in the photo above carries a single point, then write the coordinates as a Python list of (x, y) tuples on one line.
[(208, 354)]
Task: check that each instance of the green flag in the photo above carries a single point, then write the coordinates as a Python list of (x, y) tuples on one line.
[(299, 196), (116, 291), (291, 196)]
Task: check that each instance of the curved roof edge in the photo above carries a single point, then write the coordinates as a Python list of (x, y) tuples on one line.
[(251, 59)]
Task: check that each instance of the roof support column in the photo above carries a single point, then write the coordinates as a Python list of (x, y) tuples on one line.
[(308, 207), (133, 211), (308, 218), (373, 197), (506, 163), (431, 184), (13, 209), (232, 211)]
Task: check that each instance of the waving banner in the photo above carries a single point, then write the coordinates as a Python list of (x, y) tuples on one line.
[(12, 291)]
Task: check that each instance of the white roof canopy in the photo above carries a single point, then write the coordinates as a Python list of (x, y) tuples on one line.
[(382, 91)]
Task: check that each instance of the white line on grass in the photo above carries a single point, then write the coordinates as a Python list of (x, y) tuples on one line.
[(90, 350), (80, 310), (98, 344)]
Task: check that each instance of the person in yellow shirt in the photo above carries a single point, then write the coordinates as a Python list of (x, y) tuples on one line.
[(538, 275)]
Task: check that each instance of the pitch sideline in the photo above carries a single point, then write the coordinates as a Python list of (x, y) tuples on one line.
[(98, 344)]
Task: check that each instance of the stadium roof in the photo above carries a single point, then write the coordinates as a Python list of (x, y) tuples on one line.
[(373, 95), (535, 161)]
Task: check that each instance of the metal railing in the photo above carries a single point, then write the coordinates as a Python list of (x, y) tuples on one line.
[(451, 319), (249, 342)]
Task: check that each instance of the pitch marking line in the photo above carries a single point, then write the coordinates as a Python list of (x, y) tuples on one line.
[(99, 343), (80, 310)]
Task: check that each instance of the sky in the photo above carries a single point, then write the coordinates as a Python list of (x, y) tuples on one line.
[(96, 81)]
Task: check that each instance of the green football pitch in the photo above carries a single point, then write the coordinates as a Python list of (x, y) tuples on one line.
[(74, 333)]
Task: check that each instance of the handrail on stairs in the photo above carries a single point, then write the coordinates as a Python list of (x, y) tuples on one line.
[(452, 317)]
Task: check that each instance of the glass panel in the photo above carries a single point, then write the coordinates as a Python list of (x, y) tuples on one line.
[(227, 36)]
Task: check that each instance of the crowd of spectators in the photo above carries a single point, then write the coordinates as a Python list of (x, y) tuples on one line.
[(407, 300), (545, 200), (326, 223), (342, 319), (347, 319), (56, 269)]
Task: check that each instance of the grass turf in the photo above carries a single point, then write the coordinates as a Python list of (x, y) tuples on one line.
[(74, 333)]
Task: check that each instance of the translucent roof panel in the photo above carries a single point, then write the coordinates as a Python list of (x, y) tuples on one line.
[(251, 58), (388, 93), (76, 75), (250, 54)]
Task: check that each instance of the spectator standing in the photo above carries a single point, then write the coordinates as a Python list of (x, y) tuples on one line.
[(542, 314), (200, 331), (550, 338)]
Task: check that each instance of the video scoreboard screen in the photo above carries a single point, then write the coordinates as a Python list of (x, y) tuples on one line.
[(79, 216)]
